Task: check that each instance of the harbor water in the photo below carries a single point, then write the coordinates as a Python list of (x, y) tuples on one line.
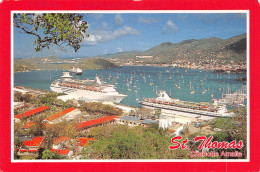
[(144, 82)]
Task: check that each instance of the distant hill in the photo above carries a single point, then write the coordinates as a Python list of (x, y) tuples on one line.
[(194, 50), (52, 63), (125, 54)]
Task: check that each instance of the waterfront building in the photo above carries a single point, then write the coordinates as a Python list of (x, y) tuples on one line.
[(129, 121), (147, 122)]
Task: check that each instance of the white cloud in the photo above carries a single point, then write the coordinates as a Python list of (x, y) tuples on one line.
[(104, 35), (147, 21), (170, 27), (119, 49), (118, 20)]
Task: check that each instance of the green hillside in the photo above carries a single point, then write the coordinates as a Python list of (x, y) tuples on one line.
[(53, 63), (194, 50)]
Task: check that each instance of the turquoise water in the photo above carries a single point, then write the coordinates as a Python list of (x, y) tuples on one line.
[(142, 81)]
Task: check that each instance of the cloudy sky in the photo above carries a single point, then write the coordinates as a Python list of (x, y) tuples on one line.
[(112, 33)]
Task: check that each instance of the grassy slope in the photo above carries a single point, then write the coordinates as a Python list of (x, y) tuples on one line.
[(37, 63)]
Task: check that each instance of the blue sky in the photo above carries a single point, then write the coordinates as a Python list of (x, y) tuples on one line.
[(118, 32)]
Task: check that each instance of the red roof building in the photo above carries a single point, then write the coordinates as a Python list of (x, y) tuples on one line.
[(60, 139), (83, 141), (31, 112), (29, 124), (32, 145), (65, 152), (95, 122), (36, 141), (58, 115)]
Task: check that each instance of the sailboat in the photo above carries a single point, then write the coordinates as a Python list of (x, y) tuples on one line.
[(178, 86), (191, 89)]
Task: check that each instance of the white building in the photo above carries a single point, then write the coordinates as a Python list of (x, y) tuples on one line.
[(128, 120)]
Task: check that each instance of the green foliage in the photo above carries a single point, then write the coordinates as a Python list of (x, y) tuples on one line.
[(47, 154), (96, 64), (16, 156), (222, 123), (191, 51), (58, 130), (36, 130), (96, 107), (18, 129), (26, 97), (53, 28), (68, 129), (49, 99), (132, 143), (234, 128), (17, 142)]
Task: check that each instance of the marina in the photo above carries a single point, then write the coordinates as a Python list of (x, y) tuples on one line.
[(138, 82)]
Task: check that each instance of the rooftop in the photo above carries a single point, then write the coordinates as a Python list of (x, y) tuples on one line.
[(130, 118), (36, 141), (61, 151), (29, 124), (83, 141), (58, 115), (94, 122), (148, 121), (31, 112), (60, 139)]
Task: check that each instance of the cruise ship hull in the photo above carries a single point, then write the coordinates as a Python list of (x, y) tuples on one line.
[(87, 95), (184, 111)]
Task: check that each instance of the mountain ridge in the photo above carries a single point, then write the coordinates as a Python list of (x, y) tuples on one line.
[(233, 48)]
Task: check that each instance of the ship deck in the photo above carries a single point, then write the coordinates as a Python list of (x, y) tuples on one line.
[(184, 109)]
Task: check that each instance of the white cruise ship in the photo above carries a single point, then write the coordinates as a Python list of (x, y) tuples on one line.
[(185, 108), (86, 90), (76, 71)]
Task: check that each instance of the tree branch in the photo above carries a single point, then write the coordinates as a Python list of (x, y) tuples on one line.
[(28, 32), (40, 39)]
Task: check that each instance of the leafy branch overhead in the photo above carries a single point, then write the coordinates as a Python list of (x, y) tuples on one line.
[(53, 28)]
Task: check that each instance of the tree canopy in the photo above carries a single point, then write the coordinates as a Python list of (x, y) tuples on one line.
[(53, 28)]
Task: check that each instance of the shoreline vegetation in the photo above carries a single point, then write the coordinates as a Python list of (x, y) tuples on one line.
[(55, 63), (107, 64)]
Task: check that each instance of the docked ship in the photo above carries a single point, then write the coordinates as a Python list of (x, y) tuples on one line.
[(86, 90), (76, 71), (185, 108)]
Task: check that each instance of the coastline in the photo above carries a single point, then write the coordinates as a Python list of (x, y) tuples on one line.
[(222, 70)]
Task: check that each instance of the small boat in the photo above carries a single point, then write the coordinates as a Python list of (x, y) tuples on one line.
[(76, 71)]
